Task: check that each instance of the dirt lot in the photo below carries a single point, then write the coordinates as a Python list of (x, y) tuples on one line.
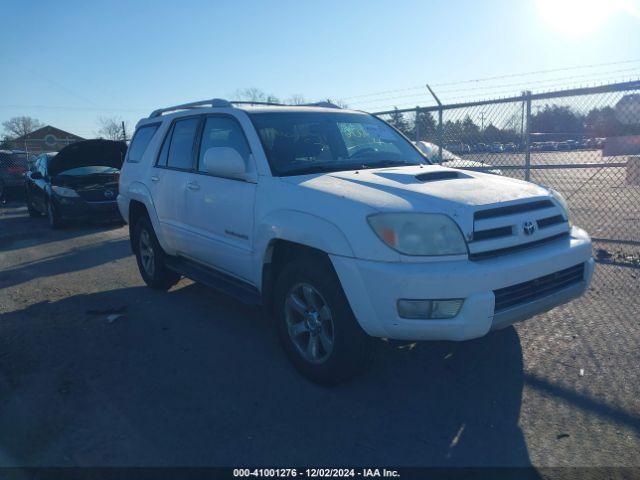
[(191, 377)]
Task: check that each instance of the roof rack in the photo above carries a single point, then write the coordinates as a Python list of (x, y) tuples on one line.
[(214, 102), (221, 103)]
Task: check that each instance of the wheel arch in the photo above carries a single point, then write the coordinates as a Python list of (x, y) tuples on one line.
[(286, 234), (140, 203)]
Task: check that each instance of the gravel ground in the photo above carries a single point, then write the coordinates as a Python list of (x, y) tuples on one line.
[(193, 378)]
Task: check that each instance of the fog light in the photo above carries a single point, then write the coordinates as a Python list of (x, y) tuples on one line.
[(429, 309)]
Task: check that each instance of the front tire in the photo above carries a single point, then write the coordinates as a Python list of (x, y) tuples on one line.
[(31, 209), (55, 222), (317, 328), (150, 257)]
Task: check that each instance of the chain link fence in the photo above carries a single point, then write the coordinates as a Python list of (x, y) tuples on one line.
[(584, 143)]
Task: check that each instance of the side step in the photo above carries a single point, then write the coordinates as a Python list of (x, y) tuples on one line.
[(215, 279)]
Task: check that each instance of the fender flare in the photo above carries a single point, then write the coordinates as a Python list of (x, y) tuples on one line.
[(298, 227)]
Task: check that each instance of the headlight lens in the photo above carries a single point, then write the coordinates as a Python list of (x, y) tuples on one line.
[(561, 201), (419, 233), (64, 191)]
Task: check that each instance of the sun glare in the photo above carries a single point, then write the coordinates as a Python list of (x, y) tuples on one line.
[(576, 17)]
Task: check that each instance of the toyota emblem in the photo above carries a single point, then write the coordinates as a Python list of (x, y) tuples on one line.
[(529, 227), (109, 193)]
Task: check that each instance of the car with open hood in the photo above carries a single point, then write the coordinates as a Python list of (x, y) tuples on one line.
[(339, 227), (78, 183), (449, 159)]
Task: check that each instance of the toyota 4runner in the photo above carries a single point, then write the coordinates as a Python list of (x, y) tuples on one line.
[(341, 228)]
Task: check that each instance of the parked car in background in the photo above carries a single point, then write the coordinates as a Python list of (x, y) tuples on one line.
[(510, 147), (430, 150), (78, 183), (480, 147), (13, 166), (496, 147)]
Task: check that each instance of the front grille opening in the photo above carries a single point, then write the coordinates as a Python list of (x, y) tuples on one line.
[(511, 209), (538, 287), (492, 233), (550, 221), (517, 248)]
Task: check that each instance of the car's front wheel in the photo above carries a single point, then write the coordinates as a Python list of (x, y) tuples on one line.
[(53, 216), (33, 212), (318, 330), (150, 257)]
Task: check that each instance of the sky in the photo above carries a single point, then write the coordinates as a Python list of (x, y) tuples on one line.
[(70, 62)]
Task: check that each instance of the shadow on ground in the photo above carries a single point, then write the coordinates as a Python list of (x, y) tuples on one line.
[(190, 377)]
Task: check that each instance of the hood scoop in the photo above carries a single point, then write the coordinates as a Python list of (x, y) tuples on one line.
[(440, 175)]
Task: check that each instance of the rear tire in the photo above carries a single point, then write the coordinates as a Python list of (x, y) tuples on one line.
[(317, 328), (150, 257)]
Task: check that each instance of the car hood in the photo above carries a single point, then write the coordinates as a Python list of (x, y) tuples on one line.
[(87, 153), (428, 188)]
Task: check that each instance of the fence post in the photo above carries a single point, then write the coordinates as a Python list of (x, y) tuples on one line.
[(527, 137), (440, 135), (417, 124)]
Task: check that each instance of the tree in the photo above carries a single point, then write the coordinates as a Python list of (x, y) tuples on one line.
[(19, 126), (398, 121), (110, 128), (254, 94), (296, 99), (602, 122), (556, 119), (470, 131), (426, 126)]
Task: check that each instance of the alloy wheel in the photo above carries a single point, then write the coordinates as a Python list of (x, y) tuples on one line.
[(146, 253), (309, 323)]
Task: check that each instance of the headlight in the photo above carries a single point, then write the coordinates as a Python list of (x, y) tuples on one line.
[(419, 233), (64, 191), (561, 202)]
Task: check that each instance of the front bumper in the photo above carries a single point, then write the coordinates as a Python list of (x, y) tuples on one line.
[(78, 209), (373, 289)]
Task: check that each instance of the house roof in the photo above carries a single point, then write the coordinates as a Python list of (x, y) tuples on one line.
[(41, 133)]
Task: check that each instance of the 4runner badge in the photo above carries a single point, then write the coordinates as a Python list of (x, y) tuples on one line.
[(529, 227)]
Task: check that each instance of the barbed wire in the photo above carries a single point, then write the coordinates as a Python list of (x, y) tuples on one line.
[(497, 77)]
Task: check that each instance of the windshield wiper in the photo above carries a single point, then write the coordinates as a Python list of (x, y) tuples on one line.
[(346, 167), (388, 163)]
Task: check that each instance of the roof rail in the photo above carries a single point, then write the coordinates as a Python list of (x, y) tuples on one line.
[(221, 103), (249, 102), (214, 102), (325, 104)]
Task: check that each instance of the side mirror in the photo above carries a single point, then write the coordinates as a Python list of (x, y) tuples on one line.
[(224, 162), (36, 175)]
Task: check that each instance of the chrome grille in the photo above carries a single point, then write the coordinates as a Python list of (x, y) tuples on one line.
[(501, 230), (537, 288)]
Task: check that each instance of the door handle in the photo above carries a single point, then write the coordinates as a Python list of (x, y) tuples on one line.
[(193, 186), (155, 178)]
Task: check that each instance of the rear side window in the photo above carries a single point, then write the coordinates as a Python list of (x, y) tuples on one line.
[(181, 144), (140, 142)]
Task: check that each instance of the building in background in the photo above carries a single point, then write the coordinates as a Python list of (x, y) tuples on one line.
[(45, 139)]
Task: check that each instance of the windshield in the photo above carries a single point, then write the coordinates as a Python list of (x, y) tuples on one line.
[(308, 142)]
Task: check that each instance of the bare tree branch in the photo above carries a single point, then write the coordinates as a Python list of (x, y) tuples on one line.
[(19, 126), (110, 128)]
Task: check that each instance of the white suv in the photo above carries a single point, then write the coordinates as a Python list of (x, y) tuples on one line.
[(338, 225)]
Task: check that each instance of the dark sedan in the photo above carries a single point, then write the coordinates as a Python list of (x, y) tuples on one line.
[(78, 183)]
